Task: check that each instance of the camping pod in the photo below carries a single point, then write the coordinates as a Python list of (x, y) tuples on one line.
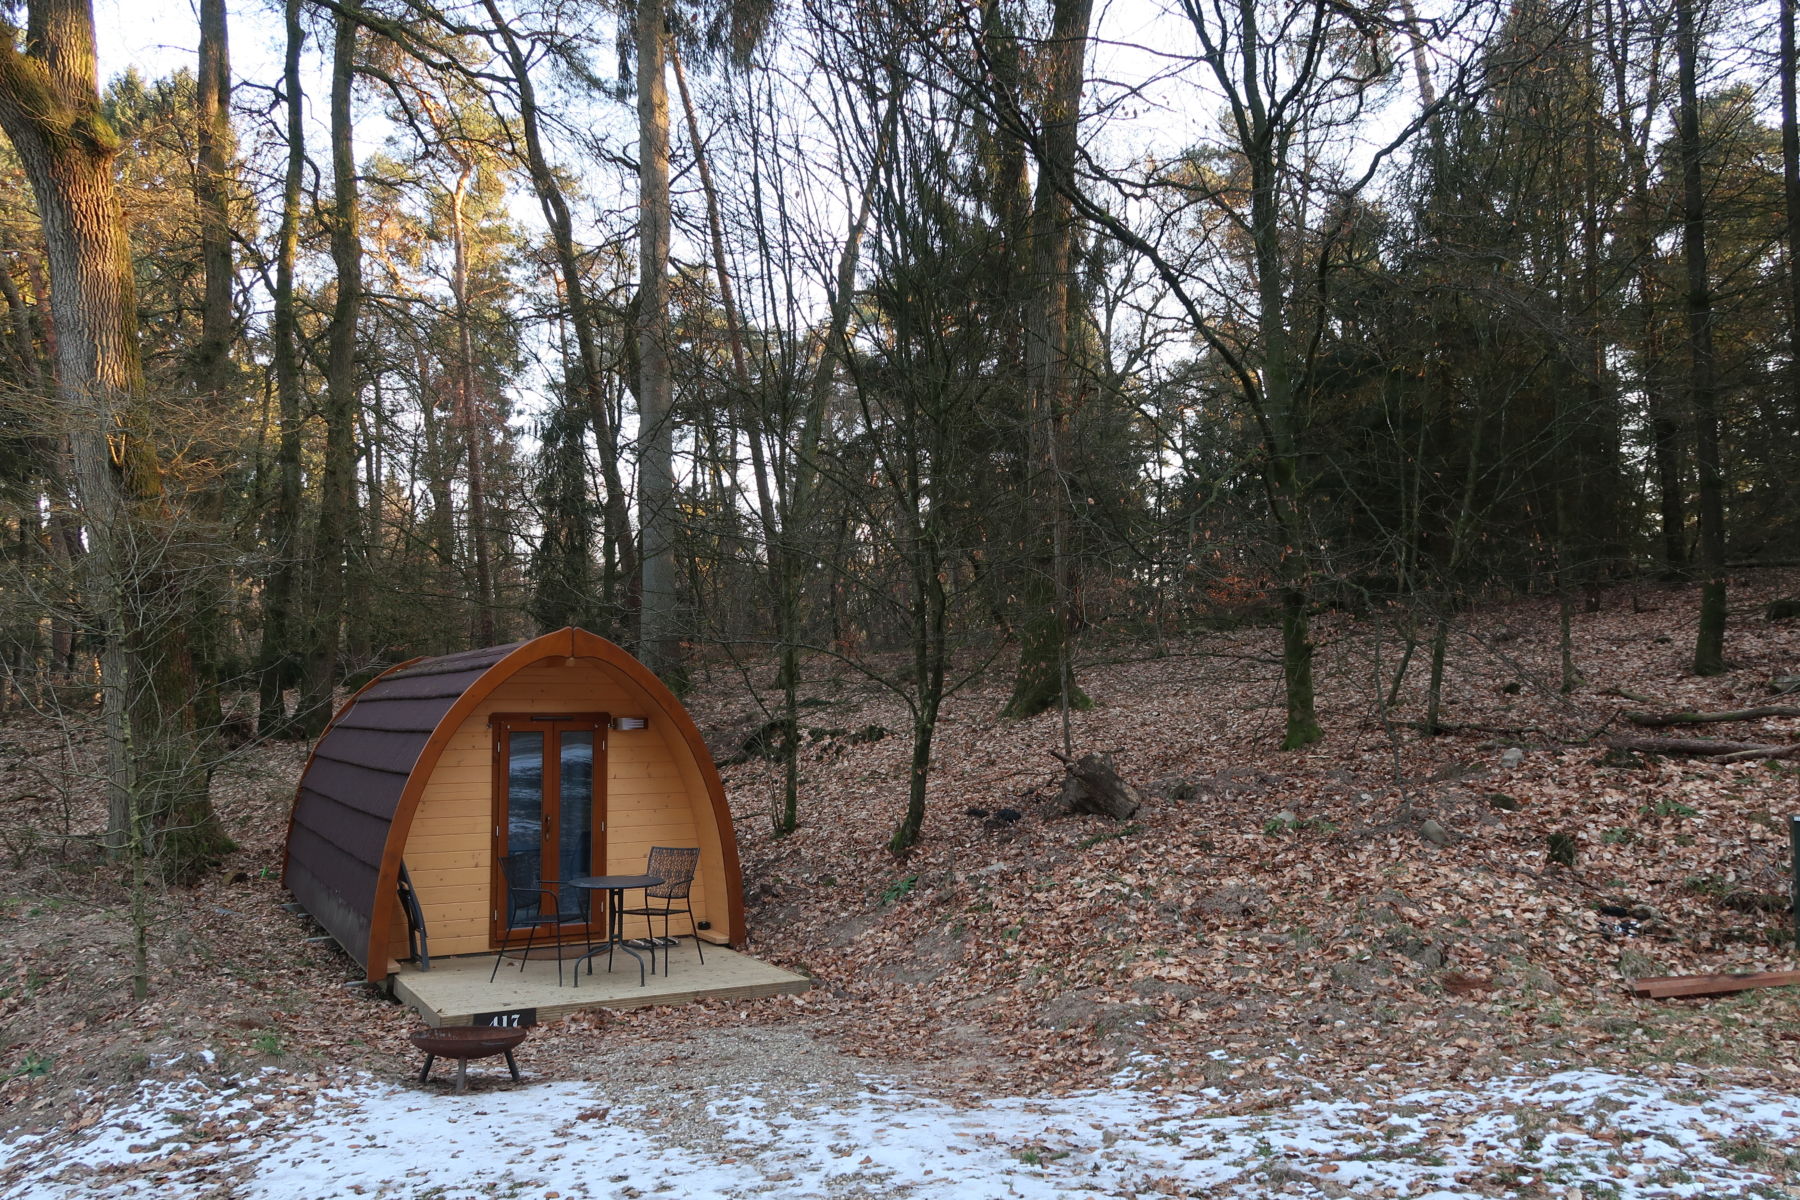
[(563, 749)]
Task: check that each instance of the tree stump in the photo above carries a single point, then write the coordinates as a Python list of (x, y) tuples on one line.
[(1092, 785)]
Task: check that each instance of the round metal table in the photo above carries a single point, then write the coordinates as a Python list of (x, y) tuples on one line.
[(615, 887)]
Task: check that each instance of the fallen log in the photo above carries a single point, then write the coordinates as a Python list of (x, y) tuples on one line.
[(1093, 785), (1656, 720), (1713, 749), (1663, 986), (1764, 753), (1680, 746)]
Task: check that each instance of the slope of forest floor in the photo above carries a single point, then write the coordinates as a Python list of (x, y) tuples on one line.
[(1378, 911)]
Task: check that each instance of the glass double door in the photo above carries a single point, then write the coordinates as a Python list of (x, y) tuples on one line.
[(549, 813)]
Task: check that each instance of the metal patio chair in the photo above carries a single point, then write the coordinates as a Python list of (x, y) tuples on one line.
[(531, 905), (676, 866)]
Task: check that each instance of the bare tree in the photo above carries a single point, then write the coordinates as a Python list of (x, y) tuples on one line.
[(475, 441), (1709, 642), (280, 628), (590, 373), (331, 550), (1289, 77), (658, 634)]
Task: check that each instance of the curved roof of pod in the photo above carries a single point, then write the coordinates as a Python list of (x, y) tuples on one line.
[(362, 785)]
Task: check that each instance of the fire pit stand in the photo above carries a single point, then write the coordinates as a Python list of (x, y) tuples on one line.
[(463, 1042)]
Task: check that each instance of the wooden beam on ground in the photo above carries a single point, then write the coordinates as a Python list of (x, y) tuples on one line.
[(1664, 986)]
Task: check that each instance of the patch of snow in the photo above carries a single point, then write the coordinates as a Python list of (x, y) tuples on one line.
[(1590, 1132)]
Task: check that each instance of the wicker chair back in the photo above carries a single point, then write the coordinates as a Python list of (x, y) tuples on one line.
[(676, 867)]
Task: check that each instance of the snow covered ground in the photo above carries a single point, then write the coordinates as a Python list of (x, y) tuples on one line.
[(1575, 1134)]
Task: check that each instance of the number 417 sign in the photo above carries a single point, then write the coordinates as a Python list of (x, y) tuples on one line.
[(512, 1018)]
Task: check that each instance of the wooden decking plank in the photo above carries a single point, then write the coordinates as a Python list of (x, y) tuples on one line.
[(457, 988), (1666, 986)]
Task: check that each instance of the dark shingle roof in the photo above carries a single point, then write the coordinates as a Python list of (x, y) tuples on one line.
[(352, 787)]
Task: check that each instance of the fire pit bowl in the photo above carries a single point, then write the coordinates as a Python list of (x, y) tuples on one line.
[(463, 1042)]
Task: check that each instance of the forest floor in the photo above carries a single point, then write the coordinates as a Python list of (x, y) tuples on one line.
[(1353, 968)]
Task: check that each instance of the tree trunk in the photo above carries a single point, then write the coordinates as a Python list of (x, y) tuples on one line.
[(474, 432), (1646, 220), (929, 617), (337, 490), (440, 530), (213, 371), (1462, 534), (1093, 785), (658, 637), (212, 195), (1665, 440), (277, 659), (1434, 687), (50, 109), (1790, 176), (1709, 643), (25, 331), (1045, 678), (1281, 422), (364, 540), (1421, 61)]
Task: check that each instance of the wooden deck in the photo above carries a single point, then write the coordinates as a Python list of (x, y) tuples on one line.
[(456, 989)]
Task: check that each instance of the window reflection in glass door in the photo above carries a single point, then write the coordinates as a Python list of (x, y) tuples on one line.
[(549, 799)]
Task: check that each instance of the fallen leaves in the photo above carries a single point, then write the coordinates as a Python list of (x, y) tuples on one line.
[(1360, 924), (1051, 951)]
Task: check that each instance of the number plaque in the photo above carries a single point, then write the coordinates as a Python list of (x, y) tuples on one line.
[(512, 1018)]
